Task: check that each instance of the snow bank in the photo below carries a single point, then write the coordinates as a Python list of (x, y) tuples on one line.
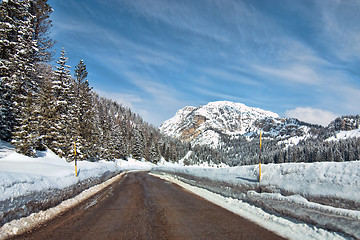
[(325, 194), (132, 164), (21, 175), (282, 226), (29, 185), (24, 224), (321, 179)]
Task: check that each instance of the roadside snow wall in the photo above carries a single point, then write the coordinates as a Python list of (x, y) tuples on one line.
[(24, 205), (328, 207)]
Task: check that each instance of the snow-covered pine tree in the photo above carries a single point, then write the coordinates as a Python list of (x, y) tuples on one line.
[(5, 114), (104, 128), (61, 129), (154, 153), (9, 13), (7, 40), (96, 137), (41, 11), (18, 72), (84, 112), (137, 146), (46, 110)]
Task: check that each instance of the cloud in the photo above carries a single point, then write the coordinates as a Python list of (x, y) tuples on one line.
[(125, 99), (311, 115), (228, 76), (181, 15), (296, 73), (341, 31)]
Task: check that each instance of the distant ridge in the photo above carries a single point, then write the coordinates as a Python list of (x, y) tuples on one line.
[(205, 124)]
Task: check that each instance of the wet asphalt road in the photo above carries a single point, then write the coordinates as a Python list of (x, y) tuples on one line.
[(141, 206)]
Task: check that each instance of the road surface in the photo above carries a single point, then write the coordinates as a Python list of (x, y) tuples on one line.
[(141, 206)]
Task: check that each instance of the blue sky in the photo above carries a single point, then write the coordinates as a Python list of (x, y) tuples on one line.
[(296, 58)]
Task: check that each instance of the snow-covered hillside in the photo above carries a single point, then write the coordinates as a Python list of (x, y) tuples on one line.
[(345, 135), (205, 124)]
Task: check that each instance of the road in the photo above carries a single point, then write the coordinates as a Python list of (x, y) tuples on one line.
[(141, 206)]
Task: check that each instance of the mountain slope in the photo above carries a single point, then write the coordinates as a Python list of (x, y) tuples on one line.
[(206, 124)]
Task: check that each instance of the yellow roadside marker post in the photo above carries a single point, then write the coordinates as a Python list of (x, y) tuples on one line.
[(75, 159), (260, 159)]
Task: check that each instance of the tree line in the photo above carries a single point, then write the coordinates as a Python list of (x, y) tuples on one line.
[(44, 106), (241, 151)]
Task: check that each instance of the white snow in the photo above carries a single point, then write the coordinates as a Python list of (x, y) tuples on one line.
[(35, 219), (21, 175), (292, 141), (281, 226), (345, 135), (221, 116), (315, 179), (23, 179), (324, 181)]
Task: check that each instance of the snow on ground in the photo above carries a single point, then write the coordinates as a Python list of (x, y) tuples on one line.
[(282, 226), (340, 179), (21, 175), (31, 184), (345, 135), (292, 141), (326, 194), (132, 164), (35, 219)]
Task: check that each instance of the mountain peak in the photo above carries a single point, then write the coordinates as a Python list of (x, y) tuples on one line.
[(205, 124), (238, 107)]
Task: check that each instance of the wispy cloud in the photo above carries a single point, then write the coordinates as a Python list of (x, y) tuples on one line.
[(230, 77), (340, 35), (126, 99), (295, 73), (312, 115), (160, 99), (182, 15), (160, 55), (215, 95)]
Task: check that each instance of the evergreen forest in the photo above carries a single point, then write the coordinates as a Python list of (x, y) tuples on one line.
[(44, 106)]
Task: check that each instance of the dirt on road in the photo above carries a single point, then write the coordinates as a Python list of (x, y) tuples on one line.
[(141, 206)]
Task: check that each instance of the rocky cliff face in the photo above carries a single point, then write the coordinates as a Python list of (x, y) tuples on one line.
[(345, 123), (206, 124)]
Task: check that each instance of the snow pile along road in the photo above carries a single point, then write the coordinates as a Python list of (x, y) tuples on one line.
[(325, 194), (282, 226), (24, 224), (28, 185)]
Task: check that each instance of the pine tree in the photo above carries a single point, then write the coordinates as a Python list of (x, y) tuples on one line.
[(18, 72), (84, 113), (41, 11), (46, 110), (5, 113), (10, 12), (137, 146), (61, 108)]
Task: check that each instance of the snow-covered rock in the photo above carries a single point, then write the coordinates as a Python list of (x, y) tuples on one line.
[(206, 124)]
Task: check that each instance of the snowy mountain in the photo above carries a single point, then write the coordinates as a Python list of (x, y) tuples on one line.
[(345, 123), (206, 124)]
